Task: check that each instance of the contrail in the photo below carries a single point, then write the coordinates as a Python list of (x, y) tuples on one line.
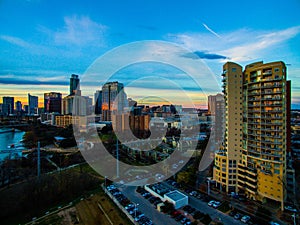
[(210, 30)]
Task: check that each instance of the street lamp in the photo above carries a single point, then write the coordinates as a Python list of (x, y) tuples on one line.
[(105, 182), (208, 185), (135, 209)]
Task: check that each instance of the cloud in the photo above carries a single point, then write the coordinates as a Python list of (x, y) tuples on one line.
[(5, 80), (203, 55), (16, 41), (254, 47), (80, 30), (240, 45)]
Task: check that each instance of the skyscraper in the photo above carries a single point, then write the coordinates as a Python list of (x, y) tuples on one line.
[(113, 99), (74, 85), (225, 170), (98, 102), (8, 105), (33, 102), (216, 109), (52, 102), (18, 107), (262, 101)]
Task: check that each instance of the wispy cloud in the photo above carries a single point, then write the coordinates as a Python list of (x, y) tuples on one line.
[(80, 30), (16, 41), (259, 42), (5, 80), (210, 30), (240, 45)]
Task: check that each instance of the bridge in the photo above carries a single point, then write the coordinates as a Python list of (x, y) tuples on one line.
[(14, 125), (11, 151)]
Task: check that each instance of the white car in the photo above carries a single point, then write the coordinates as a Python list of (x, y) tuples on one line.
[(274, 223), (245, 219), (216, 204), (290, 208), (211, 203)]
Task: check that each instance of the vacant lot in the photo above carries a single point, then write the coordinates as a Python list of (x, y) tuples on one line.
[(88, 212)]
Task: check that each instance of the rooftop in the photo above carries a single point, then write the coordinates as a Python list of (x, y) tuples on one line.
[(175, 195)]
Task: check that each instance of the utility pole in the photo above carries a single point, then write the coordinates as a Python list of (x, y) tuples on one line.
[(38, 160), (117, 156), (294, 216)]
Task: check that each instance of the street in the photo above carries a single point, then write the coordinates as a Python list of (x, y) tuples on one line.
[(162, 219)]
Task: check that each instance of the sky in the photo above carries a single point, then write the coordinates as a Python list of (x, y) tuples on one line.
[(43, 42)]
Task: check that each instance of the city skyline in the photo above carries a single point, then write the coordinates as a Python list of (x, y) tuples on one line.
[(40, 51)]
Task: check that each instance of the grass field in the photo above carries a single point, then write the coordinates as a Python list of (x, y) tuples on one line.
[(87, 212)]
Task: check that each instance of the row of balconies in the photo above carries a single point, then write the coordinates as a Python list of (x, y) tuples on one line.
[(271, 154), (271, 85), (271, 98)]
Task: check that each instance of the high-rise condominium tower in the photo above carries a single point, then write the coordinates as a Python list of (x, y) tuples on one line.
[(253, 157)]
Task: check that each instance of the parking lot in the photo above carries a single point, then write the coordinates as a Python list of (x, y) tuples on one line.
[(197, 209)]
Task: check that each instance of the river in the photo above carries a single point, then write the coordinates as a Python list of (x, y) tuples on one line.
[(9, 138)]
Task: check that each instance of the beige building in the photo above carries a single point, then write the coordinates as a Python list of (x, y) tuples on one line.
[(226, 159), (253, 158)]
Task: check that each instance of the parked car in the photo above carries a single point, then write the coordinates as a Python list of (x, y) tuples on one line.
[(211, 203), (273, 223), (290, 208), (237, 216), (216, 204), (232, 213), (245, 219)]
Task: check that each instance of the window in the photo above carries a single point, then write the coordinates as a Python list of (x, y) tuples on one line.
[(276, 69), (233, 69), (277, 171)]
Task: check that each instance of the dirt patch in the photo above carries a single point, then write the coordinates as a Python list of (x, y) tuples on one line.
[(69, 216)]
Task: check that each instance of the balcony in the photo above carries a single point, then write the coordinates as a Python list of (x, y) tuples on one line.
[(267, 172), (254, 93), (253, 186), (242, 178), (253, 99), (240, 185), (267, 72), (271, 85), (271, 154), (271, 117), (271, 92), (271, 99), (271, 111), (250, 189), (253, 87)]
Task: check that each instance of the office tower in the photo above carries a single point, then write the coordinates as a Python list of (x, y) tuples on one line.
[(216, 109), (98, 102), (18, 107), (76, 105), (74, 85), (114, 99), (26, 109), (8, 105), (52, 102), (32, 104), (265, 101)]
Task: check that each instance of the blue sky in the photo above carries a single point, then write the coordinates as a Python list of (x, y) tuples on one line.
[(43, 42)]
